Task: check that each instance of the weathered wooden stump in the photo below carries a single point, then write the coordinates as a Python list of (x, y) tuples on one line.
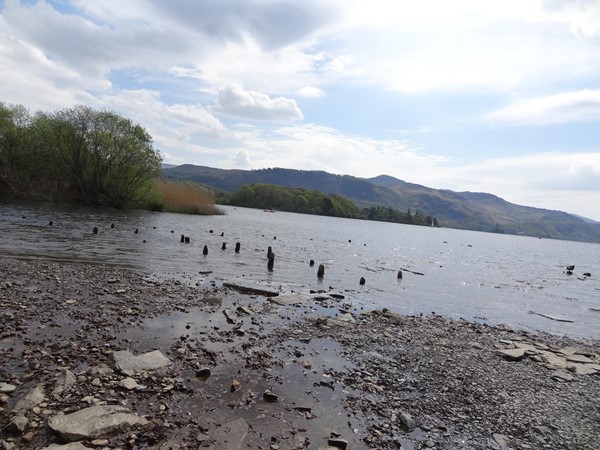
[(362, 281), (321, 271), (271, 261), (205, 251), (237, 247)]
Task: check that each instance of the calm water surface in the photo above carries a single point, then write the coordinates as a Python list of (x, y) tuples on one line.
[(476, 276)]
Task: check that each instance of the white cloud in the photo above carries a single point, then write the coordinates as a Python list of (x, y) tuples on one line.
[(311, 92), (174, 128), (553, 180), (236, 102), (579, 106)]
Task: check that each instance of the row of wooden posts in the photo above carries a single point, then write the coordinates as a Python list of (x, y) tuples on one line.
[(270, 255)]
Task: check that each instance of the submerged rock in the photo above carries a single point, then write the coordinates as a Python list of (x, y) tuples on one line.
[(130, 364), (94, 422)]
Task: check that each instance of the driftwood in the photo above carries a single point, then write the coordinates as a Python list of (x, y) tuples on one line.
[(558, 319)]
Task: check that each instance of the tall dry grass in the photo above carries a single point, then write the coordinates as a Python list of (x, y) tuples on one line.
[(186, 198)]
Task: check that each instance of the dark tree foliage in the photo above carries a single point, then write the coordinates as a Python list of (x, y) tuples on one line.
[(75, 154), (294, 200), (383, 214)]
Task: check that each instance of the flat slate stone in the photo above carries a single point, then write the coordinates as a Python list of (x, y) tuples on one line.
[(513, 354), (33, 398), (579, 359), (71, 446), (581, 369), (130, 364), (252, 289), (553, 360), (6, 388), (289, 300), (231, 435), (95, 422)]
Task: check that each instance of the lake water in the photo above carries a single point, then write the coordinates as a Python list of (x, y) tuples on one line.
[(476, 276)]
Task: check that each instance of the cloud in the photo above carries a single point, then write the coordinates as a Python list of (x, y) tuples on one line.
[(175, 128), (578, 106), (566, 181), (311, 92), (251, 105)]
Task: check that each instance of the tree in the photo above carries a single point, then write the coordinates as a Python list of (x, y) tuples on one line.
[(92, 156)]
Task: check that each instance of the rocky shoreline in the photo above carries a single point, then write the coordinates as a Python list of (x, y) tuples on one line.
[(105, 358)]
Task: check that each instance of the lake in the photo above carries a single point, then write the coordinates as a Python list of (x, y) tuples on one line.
[(477, 276)]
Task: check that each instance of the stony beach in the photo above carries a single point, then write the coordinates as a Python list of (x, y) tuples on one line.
[(107, 358)]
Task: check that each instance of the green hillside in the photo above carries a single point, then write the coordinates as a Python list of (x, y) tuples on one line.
[(464, 210)]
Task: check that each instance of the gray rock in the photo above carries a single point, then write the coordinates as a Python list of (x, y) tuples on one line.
[(95, 422), (129, 383), (407, 421), (559, 375), (581, 369), (513, 354), (338, 443), (100, 370), (33, 398), (71, 446), (129, 364), (65, 381), (18, 424), (501, 440), (252, 289), (231, 435), (7, 388)]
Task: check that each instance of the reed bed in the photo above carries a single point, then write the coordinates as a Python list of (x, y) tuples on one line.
[(186, 198)]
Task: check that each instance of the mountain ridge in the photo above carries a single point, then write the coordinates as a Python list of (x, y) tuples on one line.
[(478, 211)]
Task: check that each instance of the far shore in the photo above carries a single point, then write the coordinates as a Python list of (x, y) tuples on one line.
[(230, 368)]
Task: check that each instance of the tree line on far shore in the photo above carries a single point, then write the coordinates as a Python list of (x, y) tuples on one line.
[(76, 154), (306, 201)]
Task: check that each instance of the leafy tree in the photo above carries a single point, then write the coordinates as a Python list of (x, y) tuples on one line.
[(92, 156)]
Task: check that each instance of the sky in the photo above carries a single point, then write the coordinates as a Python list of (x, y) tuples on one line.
[(484, 96)]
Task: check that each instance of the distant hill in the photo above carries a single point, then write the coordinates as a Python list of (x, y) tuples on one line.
[(465, 210)]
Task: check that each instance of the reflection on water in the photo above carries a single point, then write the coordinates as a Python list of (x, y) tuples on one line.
[(473, 275)]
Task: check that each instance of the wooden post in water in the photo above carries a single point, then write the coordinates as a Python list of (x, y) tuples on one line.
[(136, 231), (362, 281), (205, 251), (399, 275), (321, 271), (187, 239), (112, 225), (50, 223), (224, 246), (311, 263), (269, 251), (95, 230), (271, 261), (182, 238), (237, 247)]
